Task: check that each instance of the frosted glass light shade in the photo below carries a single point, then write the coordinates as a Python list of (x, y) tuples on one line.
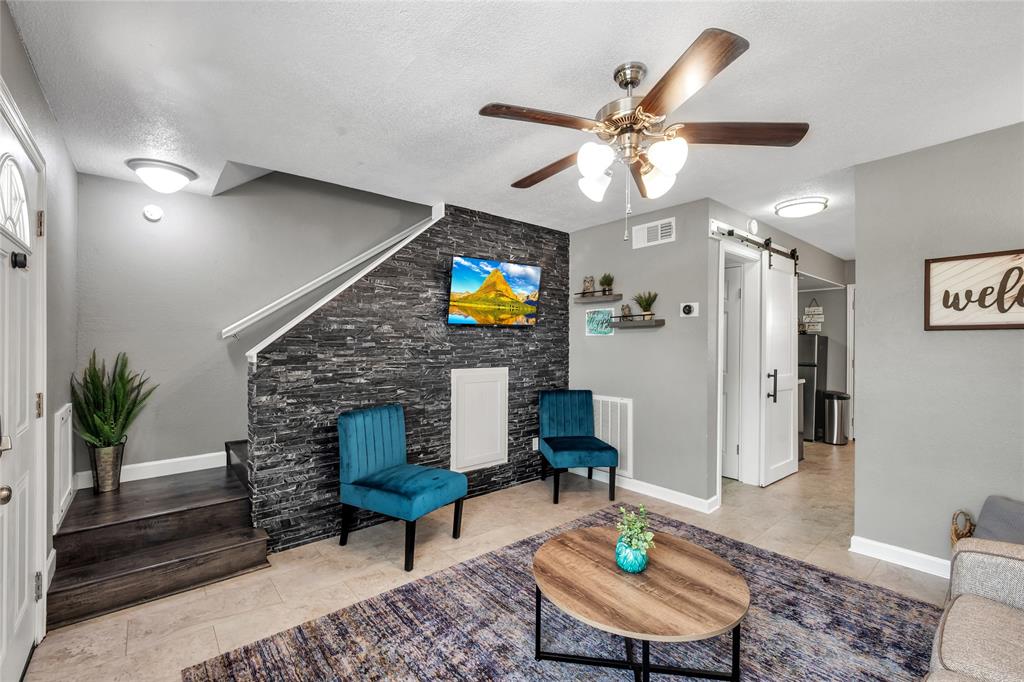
[(593, 159), (801, 208), (594, 188), (657, 183), (669, 156), (162, 176)]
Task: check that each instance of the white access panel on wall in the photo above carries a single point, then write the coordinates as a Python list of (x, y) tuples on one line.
[(479, 418)]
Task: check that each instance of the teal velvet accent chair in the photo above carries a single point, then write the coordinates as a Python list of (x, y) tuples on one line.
[(567, 437), (376, 476)]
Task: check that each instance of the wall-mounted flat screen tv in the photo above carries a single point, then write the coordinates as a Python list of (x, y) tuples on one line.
[(490, 292)]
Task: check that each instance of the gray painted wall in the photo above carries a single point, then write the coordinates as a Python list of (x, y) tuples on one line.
[(939, 414), (834, 327), (62, 231), (163, 291), (850, 267), (670, 372), (664, 370)]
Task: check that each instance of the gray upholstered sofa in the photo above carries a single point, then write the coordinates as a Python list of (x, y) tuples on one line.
[(981, 634)]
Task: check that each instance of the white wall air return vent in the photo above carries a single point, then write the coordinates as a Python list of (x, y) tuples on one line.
[(652, 234)]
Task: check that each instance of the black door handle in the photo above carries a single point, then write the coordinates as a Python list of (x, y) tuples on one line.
[(19, 260), (774, 376)]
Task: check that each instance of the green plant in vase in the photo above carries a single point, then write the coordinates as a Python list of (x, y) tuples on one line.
[(646, 301), (105, 405), (606, 282), (634, 540)]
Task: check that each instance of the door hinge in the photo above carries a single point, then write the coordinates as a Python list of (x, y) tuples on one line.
[(739, 294), (40, 223), (39, 405), (737, 448), (39, 585)]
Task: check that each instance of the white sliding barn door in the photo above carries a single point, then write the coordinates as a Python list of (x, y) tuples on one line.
[(778, 368), (479, 418)]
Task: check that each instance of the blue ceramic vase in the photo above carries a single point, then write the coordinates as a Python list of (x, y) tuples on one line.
[(630, 560)]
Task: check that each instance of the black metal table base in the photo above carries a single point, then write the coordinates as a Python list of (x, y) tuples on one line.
[(643, 668)]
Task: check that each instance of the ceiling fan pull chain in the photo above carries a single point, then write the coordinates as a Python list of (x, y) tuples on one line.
[(629, 210)]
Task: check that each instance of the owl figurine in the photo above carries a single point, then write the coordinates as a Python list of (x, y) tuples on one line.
[(588, 285), (627, 312)]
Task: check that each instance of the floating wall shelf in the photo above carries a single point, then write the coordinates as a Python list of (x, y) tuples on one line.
[(598, 298), (637, 324)]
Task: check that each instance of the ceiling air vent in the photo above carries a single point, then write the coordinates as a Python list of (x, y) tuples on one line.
[(652, 234)]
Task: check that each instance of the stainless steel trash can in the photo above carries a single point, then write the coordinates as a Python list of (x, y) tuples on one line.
[(835, 417)]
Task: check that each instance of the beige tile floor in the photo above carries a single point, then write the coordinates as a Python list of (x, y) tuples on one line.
[(808, 516)]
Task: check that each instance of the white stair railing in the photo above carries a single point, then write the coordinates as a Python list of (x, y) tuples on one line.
[(379, 253)]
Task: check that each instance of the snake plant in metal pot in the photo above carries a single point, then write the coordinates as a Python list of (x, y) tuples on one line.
[(105, 404)]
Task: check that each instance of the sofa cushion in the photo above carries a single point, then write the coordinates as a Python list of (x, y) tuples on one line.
[(406, 491), (565, 452), (981, 638)]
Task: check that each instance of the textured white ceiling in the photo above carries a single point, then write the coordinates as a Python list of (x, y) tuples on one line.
[(383, 96)]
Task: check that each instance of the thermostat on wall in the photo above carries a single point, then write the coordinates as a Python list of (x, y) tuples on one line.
[(689, 310)]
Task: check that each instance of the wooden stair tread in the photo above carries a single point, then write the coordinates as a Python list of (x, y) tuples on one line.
[(76, 577), (152, 497)]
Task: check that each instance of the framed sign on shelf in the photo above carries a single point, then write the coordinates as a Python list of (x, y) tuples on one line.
[(976, 291)]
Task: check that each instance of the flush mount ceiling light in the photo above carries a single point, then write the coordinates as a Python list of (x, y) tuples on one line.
[(801, 207), (162, 176), (635, 131)]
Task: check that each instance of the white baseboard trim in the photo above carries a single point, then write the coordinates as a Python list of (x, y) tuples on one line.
[(163, 467), (901, 556), (656, 491)]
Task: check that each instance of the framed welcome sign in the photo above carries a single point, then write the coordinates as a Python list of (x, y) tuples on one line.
[(978, 291)]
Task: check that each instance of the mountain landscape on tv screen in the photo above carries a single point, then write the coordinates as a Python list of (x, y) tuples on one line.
[(494, 300)]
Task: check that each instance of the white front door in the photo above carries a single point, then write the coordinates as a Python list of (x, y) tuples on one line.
[(21, 459), (778, 368), (732, 321)]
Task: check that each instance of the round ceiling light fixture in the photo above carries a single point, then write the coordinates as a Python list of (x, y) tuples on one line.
[(801, 207), (162, 176)]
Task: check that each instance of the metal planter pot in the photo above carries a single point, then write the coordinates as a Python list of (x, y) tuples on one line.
[(106, 467)]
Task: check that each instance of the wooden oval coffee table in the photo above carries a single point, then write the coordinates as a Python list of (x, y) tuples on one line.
[(686, 593)]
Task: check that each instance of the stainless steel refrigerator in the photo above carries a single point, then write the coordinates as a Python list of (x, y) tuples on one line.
[(813, 360)]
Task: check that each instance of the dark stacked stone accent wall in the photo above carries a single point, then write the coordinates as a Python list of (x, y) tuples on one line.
[(386, 339)]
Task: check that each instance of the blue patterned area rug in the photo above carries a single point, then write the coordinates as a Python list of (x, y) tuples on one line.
[(474, 621)]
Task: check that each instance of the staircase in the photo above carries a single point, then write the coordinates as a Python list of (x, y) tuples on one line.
[(152, 538)]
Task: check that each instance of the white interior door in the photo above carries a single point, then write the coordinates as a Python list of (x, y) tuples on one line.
[(732, 322), (778, 368), (21, 449)]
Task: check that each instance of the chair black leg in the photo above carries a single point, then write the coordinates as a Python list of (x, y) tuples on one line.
[(556, 471), (611, 483), (457, 526), (410, 543), (590, 473), (347, 512)]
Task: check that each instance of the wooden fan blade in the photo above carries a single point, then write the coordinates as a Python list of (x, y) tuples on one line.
[(710, 53), (551, 118), (638, 178), (546, 172), (762, 134)]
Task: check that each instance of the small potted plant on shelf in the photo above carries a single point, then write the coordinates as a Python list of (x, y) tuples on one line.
[(646, 301), (606, 282), (634, 540), (105, 405)]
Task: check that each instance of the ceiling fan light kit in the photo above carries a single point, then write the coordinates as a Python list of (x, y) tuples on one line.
[(633, 131), (801, 207), (595, 187)]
